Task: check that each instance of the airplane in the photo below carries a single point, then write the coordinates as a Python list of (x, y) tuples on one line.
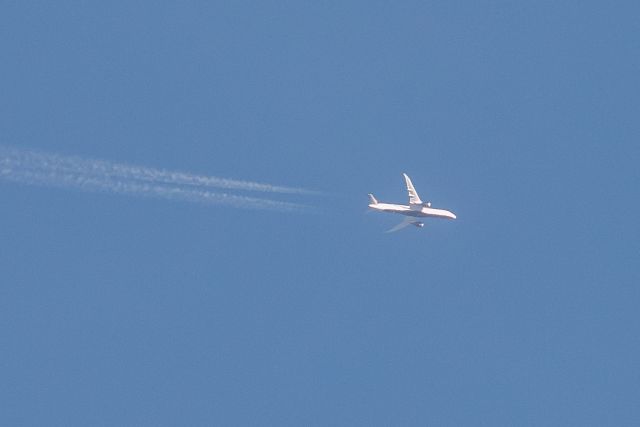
[(414, 210)]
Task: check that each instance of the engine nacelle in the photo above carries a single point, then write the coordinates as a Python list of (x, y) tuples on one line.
[(418, 224), (427, 204)]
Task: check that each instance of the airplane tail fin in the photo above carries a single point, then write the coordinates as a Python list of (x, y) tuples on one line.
[(372, 200)]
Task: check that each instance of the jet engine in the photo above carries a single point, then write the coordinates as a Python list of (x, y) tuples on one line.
[(418, 224)]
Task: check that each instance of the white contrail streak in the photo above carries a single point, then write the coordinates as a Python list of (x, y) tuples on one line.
[(73, 164), (50, 170)]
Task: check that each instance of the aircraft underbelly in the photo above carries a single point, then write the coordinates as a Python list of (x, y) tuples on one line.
[(424, 213), (413, 212)]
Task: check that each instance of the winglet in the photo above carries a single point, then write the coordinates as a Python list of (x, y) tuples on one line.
[(414, 199), (372, 199)]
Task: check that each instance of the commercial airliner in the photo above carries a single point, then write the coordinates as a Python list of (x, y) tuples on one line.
[(414, 210)]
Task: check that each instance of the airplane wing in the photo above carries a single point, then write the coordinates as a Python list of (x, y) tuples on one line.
[(414, 199), (407, 221)]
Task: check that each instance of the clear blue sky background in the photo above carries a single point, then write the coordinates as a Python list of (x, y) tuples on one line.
[(521, 117)]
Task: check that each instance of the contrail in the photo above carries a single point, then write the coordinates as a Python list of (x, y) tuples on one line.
[(51, 170), (28, 159)]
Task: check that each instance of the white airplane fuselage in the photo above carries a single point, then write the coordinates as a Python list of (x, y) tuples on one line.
[(413, 210)]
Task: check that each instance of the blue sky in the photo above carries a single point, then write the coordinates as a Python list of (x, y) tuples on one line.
[(521, 117)]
